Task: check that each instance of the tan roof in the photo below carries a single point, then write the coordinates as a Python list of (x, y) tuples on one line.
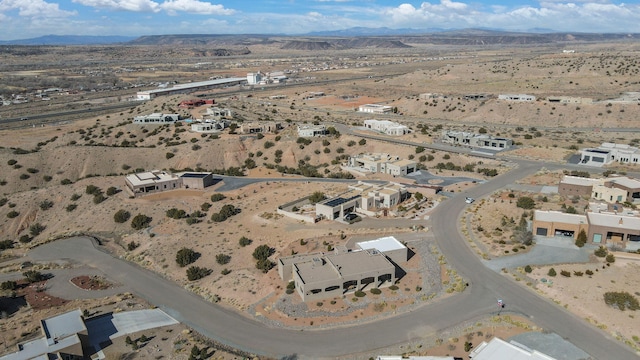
[(576, 180), (557, 216), (335, 266), (626, 182)]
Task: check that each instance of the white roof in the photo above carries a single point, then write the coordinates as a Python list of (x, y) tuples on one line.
[(582, 181), (498, 349), (557, 216), (63, 325), (149, 177), (384, 244), (611, 220)]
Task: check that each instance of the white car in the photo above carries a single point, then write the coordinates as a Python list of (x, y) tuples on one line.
[(469, 200)]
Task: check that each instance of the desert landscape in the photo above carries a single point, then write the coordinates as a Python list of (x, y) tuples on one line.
[(63, 175)]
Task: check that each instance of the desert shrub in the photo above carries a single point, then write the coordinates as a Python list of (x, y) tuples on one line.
[(24, 176), (92, 190), (376, 291), (196, 273), (12, 162), (3, 201), (393, 287), (565, 273), (601, 252), (75, 197), (112, 191), (47, 178), (610, 258), (621, 300), (578, 273), (552, 272), (25, 239), (217, 197), (6, 244), (140, 221), (225, 271), (589, 272), (175, 213), (46, 204), (360, 293), (33, 276), (525, 202), (528, 269), (32, 171), (265, 265), (71, 207), (205, 206), (121, 216), (36, 229), (268, 144), (12, 214), (8, 285), (223, 259), (97, 199), (132, 245), (186, 256), (66, 182), (262, 252), (244, 241), (317, 197), (169, 155)]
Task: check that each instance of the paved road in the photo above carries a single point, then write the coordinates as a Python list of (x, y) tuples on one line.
[(477, 302)]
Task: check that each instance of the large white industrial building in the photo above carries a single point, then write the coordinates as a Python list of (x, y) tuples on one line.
[(188, 88)]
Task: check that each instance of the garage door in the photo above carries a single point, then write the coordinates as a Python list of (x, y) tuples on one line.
[(541, 231)]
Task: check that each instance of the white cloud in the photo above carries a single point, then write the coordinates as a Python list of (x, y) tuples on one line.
[(122, 5), (581, 15), (194, 7), (35, 9)]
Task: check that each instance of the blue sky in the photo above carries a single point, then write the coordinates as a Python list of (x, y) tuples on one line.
[(20, 19)]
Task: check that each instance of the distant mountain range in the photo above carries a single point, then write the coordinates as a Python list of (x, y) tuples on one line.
[(388, 38), (71, 40)]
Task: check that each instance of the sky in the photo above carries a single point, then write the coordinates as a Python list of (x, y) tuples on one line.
[(21, 19)]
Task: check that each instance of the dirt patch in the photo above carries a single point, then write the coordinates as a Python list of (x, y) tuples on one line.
[(91, 282), (36, 296)]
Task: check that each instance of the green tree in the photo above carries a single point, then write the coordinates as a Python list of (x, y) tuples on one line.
[(418, 196), (419, 149), (46, 204), (362, 142), (33, 276), (528, 269), (112, 190), (6, 244), (121, 216), (582, 238), (186, 256), (140, 221), (196, 273), (36, 229), (217, 197), (552, 272)]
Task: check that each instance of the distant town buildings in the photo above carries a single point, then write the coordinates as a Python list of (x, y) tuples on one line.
[(382, 163), (209, 126), (386, 127), (188, 88), (569, 100), (375, 108), (258, 78), (475, 140), (320, 276), (607, 153), (517, 97), (305, 130), (156, 119), (218, 113)]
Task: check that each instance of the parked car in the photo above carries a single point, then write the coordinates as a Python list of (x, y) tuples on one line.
[(469, 200), (350, 217)]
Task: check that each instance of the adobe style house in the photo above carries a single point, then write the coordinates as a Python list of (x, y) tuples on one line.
[(610, 228), (615, 189), (154, 181), (320, 276), (382, 163), (386, 127), (364, 198), (475, 140), (312, 130), (375, 108)]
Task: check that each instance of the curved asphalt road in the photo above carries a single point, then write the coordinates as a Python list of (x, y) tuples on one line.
[(478, 301)]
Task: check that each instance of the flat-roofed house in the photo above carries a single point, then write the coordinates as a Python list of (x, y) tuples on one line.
[(382, 163), (498, 349), (517, 97), (312, 130), (577, 186), (388, 245), (475, 140), (556, 223), (630, 187), (386, 127), (620, 230), (197, 180), (152, 181), (156, 119), (608, 153), (375, 108), (338, 207)]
